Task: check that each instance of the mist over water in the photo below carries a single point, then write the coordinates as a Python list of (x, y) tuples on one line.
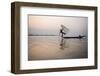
[(51, 25)]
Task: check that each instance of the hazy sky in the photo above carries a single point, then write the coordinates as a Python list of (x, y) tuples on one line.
[(50, 25)]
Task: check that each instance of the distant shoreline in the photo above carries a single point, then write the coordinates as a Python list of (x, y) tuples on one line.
[(43, 35)]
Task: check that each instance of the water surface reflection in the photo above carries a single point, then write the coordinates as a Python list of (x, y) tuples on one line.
[(54, 47)]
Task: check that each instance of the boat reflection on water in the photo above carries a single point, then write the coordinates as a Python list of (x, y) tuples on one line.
[(65, 44)]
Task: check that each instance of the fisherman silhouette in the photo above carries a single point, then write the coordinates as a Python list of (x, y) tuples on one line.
[(62, 31)]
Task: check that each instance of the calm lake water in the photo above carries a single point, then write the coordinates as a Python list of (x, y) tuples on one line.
[(53, 47)]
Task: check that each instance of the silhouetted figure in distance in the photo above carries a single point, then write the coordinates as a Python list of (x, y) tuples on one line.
[(62, 32)]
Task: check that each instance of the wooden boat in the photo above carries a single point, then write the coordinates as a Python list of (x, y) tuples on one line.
[(78, 37)]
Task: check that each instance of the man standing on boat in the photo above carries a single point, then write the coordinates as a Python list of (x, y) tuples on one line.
[(62, 31)]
